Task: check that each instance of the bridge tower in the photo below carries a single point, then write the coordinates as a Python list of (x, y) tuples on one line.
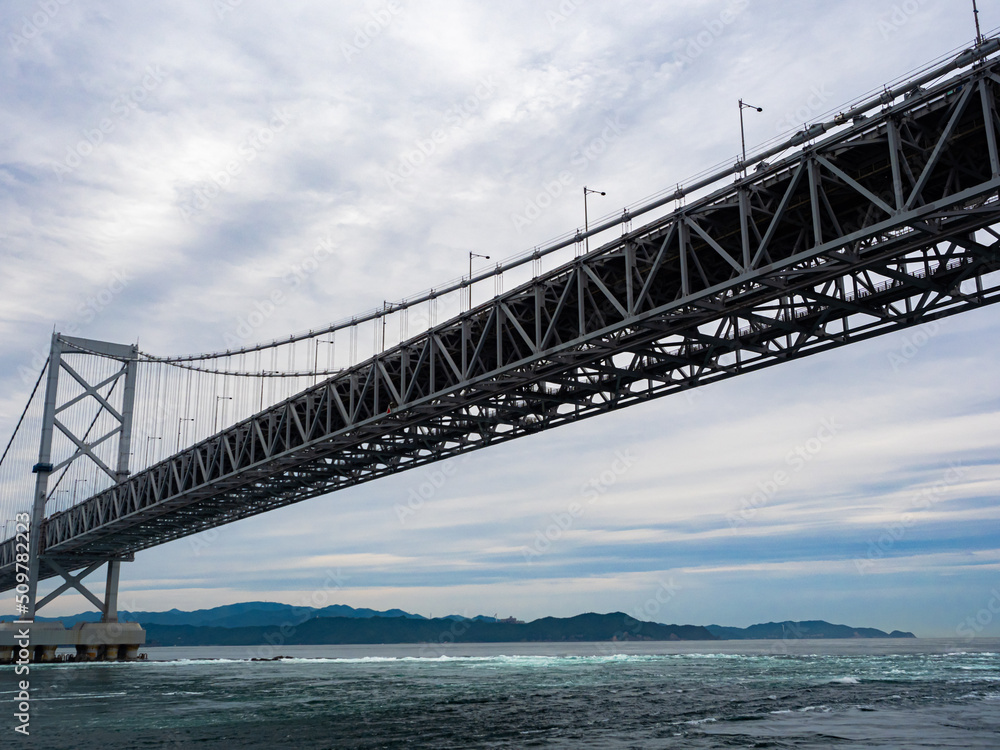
[(106, 444)]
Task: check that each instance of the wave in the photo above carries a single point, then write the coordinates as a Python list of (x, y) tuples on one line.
[(506, 659)]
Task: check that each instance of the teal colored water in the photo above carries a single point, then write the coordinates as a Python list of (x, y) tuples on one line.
[(809, 694)]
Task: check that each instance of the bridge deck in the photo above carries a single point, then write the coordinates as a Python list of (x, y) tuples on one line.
[(870, 230)]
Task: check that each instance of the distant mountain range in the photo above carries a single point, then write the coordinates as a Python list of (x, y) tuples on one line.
[(245, 614), (357, 630), (259, 623), (803, 629)]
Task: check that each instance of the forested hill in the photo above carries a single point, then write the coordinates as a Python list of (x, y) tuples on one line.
[(805, 629), (344, 630)]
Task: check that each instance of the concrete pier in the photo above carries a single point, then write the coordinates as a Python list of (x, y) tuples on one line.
[(94, 641)]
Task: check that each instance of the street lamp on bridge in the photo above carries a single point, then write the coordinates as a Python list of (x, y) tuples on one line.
[(264, 375), (471, 256), (316, 362), (386, 309), (215, 419), (54, 496), (586, 219), (743, 137), (146, 457), (180, 423)]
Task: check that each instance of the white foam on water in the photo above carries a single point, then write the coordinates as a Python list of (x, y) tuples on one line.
[(185, 662), (500, 659), (382, 659), (77, 696)]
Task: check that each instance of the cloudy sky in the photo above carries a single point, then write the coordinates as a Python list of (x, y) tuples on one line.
[(164, 167)]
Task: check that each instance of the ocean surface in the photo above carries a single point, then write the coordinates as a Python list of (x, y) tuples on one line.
[(733, 694)]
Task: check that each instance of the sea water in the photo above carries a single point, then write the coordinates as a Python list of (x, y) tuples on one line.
[(733, 694)]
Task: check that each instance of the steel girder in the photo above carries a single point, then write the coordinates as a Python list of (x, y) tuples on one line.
[(876, 228)]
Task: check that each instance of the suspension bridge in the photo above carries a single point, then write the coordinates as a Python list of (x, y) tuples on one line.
[(882, 217)]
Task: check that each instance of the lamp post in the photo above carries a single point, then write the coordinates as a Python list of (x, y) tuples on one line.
[(180, 422), (146, 457), (386, 309), (215, 419), (54, 496), (586, 219), (471, 256), (316, 362), (263, 377), (75, 483), (743, 138)]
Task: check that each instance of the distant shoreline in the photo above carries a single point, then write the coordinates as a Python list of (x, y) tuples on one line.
[(402, 630), (274, 624), (614, 627)]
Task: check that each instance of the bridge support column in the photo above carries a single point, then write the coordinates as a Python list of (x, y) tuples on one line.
[(92, 641), (110, 611), (42, 469), (85, 444)]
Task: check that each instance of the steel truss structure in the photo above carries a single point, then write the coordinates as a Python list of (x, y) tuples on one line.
[(86, 446), (886, 223)]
